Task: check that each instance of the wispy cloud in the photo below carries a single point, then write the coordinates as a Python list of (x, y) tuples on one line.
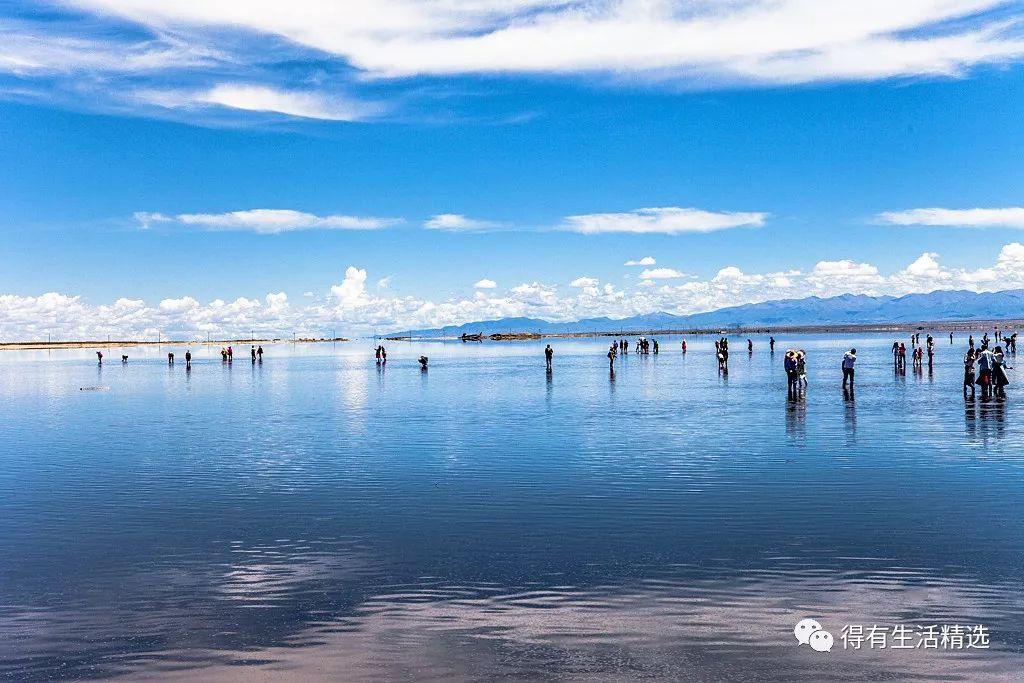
[(454, 222), (755, 40), (645, 261), (1010, 217), (190, 57), (266, 221), (261, 98), (666, 220), (485, 284)]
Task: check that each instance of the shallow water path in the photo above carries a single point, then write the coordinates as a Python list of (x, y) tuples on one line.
[(320, 516)]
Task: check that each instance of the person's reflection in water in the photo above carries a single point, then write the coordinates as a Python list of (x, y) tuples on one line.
[(549, 386), (970, 415), (796, 425), (850, 412), (992, 416)]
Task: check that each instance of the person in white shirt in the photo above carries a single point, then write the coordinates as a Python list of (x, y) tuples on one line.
[(849, 360)]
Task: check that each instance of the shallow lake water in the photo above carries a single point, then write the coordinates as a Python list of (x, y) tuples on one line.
[(318, 517)]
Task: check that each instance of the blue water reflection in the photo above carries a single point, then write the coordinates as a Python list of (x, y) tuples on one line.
[(320, 516)]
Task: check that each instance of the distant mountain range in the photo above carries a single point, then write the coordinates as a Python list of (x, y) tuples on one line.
[(848, 309)]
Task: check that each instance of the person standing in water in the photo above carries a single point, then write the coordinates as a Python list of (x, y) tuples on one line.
[(684, 346), (611, 359), (252, 354), (969, 377), (750, 346), (985, 363), (548, 355), (655, 347), (99, 357), (849, 361), (999, 378), (771, 344), (259, 353), (789, 365), (950, 337), (188, 360), (170, 359)]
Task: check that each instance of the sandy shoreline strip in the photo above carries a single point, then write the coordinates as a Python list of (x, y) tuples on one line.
[(113, 343)]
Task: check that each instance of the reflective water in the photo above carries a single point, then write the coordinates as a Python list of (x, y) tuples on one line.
[(318, 517)]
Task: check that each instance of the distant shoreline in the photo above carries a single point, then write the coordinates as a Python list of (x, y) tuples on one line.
[(944, 326), (114, 343), (937, 326)]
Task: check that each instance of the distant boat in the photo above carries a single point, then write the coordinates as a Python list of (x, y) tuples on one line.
[(471, 337)]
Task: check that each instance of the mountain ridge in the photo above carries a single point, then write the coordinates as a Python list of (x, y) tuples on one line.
[(942, 305)]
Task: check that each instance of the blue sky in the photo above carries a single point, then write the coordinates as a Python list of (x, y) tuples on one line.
[(167, 165)]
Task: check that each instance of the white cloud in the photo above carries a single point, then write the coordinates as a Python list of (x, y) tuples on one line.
[(666, 220), (760, 41), (454, 222), (148, 218), (352, 309), (26, 53), (645, 261), (266, 221), (261, 98), (485, 284), (660, 274), (1011, 217), (584, 282), (351, 293)]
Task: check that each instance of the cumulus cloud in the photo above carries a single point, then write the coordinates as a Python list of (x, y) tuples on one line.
[(1009, 217), (351, 309), (645, 261), (454, 222), (485, 284), (665, 220), (661, 274), (266, 221), (351, 293)]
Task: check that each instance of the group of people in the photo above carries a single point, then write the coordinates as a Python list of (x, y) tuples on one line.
[(722, 353), (795, 365), (986, 368), (1009, 340), (917, 352), (644, 346), (983, 367), (188, 359), (227, 355)]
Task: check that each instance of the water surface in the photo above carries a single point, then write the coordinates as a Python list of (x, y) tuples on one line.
[(318, 516)]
